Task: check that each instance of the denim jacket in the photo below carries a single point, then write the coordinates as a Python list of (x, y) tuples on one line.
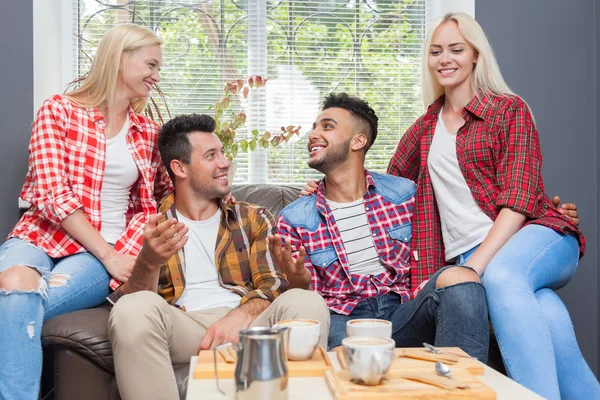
[(309, 222)]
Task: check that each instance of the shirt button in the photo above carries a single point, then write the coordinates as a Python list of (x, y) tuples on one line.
[(374, 235), (324, 264), (366, 208)]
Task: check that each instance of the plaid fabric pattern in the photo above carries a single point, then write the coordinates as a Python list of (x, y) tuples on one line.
[(500, 157), (243, 260), (342, 290), (66, 170)]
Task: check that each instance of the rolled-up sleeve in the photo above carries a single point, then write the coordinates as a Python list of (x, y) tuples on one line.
[(519, 168), (51, 193), (406, 161), (267, 278)]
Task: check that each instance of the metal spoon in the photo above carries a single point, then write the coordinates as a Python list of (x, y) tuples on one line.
[(444, 370), (435, 350)]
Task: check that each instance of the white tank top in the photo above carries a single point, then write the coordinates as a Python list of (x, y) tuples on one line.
[(120, 173), (464, 224)]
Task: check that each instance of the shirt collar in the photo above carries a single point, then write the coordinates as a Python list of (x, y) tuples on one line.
[(322, 200), (167, 204), (135, 120), (477, 106)]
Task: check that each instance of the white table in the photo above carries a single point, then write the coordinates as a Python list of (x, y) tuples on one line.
[(316, 388)]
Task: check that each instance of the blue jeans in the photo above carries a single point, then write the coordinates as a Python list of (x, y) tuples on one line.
[(69, 283), (534, 331), (453, 316)]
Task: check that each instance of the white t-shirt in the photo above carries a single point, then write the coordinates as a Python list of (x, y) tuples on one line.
[(464, 224), (203, 289), (120, 173), (351, 220)]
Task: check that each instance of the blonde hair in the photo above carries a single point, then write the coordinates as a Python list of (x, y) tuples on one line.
[(99, 87), (486, 73)]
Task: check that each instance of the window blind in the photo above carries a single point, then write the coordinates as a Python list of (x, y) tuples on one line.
[(306, 48)]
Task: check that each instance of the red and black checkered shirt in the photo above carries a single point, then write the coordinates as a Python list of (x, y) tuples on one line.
[(499, 155), (67, 154)]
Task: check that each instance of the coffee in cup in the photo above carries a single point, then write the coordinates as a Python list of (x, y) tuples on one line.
[(369, 358), (369, 327), (303, 338)]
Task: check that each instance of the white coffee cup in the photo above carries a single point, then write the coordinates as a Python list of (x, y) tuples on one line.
[(369, 327), (303, 338), (369, 358)]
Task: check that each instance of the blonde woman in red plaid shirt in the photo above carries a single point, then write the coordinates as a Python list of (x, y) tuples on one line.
[(94, 176), (476, 158)]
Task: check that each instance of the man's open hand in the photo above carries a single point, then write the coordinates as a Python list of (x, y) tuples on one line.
[(296, 272), (161, 241)]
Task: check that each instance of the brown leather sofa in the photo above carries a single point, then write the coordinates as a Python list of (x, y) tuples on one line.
[(77, 353)]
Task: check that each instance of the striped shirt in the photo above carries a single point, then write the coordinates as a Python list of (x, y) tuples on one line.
[(351, 219), (242, 257)]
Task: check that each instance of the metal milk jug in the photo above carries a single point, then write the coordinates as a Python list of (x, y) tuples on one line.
[(261, 369)]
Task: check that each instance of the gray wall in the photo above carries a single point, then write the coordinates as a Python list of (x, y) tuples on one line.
[(547, 53), (16, 104)]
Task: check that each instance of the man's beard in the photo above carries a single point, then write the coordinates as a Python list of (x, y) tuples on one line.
[(209, 192), (335, 156)]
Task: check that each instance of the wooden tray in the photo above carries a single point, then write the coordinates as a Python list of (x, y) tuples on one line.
[(316, 366), (403, 362), (397, 387)]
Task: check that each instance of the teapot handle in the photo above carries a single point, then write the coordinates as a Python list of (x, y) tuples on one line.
[(215, 363)]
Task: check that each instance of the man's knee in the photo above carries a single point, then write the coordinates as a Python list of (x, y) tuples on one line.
[(304, 304), (456, 275), (134, 312)]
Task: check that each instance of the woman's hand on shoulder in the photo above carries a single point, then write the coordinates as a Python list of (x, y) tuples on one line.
[(567, 209), (310, 188)]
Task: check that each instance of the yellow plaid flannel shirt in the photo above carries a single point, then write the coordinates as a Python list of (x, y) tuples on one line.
[(243, 260)]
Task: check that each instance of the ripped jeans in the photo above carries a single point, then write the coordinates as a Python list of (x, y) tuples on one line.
[(69, 283)]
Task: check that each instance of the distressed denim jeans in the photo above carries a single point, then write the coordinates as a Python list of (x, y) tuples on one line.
[(68, 284), (533, 327), (453, 316)]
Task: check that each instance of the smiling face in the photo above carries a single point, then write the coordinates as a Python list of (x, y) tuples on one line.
[(329, 141), (140, 71), (207, 171), (451, 58)]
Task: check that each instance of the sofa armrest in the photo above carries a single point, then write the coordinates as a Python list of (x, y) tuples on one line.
[(83, 331)]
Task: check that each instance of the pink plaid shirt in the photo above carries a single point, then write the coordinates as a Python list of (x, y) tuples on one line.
[(309, 222), (66, 169)]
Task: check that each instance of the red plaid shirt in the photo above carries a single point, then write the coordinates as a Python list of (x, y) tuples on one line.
[(389, 206), (66, 170), (499, 155)]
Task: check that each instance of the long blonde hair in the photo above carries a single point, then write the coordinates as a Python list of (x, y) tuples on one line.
[(486, 74), (99, 87)]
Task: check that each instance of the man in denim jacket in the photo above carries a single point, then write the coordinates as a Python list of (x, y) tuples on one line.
[(350, 242)]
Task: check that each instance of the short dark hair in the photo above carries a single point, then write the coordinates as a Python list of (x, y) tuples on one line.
[(359, 108), (173, 140)]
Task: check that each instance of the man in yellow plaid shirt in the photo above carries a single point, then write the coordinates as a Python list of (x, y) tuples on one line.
[(204, 272)]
